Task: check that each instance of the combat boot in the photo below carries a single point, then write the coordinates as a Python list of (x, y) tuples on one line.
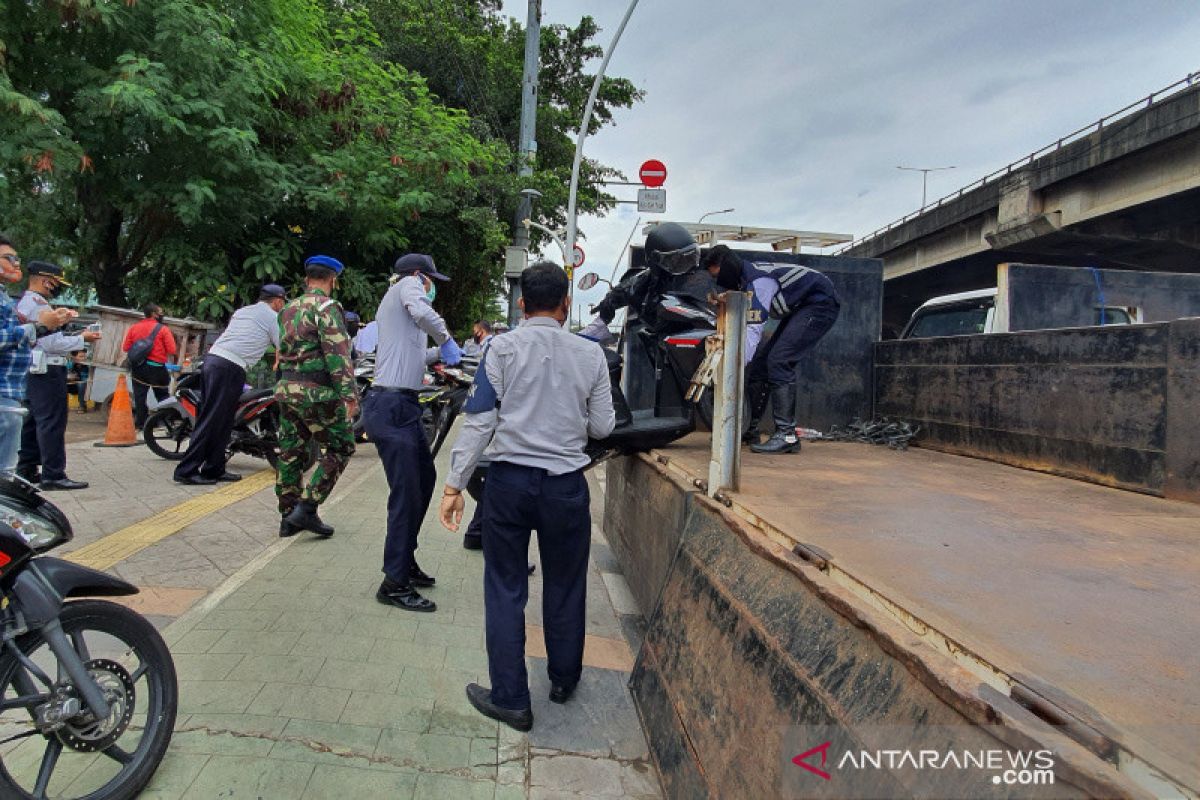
[(304, 518), (756, 399), (783, 409)]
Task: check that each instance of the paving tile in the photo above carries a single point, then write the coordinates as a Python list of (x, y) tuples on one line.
[(449, 634), (256, 642), (444, 787), (638, 779), (216, 697), (227, 734), (404, 653), (619, 593), (207, 666), (327, 743), (196, 641), (569, 773), (359, 676), (239, 619), (400, 711), (330, 781), (509, 792), (427, 683), (173, 776), (453, 714), (299, 702), (298, 669), (425, 751), (333, 645), (248, 777)]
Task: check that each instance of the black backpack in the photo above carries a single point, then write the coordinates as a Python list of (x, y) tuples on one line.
[(139, 351)]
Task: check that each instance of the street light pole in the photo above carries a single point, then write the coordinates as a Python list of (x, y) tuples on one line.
[(924, 177), (583, 130), (710, 213)]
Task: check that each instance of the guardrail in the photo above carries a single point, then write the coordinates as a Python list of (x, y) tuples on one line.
[(1181, 85)]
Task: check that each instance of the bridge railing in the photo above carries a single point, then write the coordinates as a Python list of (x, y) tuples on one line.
[(1192, 79)]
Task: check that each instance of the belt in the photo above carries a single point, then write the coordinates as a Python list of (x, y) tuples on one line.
[(55, 361), (400, 390), (315, 378)]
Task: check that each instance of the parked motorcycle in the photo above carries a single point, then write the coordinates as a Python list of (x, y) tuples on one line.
[(441, 400), (168, 430), (88, 692)]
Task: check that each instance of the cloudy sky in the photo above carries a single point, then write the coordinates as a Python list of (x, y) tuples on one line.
[(797, 112)]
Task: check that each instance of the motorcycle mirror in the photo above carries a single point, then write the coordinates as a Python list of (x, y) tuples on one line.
[(588, 281)]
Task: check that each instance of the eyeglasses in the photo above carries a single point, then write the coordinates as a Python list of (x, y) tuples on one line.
[(11, 258)]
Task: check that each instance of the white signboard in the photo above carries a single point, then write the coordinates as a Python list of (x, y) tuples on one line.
[(652, 201)]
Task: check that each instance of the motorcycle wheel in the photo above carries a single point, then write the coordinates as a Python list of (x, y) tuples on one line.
[(87, 761), (167, 433)]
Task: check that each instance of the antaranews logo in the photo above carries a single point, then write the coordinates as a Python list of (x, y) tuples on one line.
[(884, 762)]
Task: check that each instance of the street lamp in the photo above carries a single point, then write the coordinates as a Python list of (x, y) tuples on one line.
[(924, 177), (710, 213)]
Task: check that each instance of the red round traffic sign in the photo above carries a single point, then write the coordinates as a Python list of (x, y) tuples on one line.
[(653, 173), (579, 256)]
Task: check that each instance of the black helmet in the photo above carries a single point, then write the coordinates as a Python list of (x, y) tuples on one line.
[(672, 249)]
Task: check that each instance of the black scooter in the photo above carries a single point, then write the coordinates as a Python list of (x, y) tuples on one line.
[(88, 693)]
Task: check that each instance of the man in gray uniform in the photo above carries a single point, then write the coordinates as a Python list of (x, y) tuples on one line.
[(43, 438), (392, 419), (250, 332), (538, 395)]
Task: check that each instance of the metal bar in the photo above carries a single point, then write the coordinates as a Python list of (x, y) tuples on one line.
[(725, 467)]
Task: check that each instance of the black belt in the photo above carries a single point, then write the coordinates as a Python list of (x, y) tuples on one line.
[(315, 378), (400, 390)]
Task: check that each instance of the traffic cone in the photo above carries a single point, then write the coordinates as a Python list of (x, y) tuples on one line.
[(120, 431)]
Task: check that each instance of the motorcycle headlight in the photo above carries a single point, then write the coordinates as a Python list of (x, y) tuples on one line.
[(39, 533)]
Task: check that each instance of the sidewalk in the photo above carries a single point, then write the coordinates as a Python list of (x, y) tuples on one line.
[(295, 682)]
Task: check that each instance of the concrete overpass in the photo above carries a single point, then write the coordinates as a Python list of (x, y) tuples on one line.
[(1123, 192)]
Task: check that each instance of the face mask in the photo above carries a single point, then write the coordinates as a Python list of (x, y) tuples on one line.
[(56, 291), (431, 292)]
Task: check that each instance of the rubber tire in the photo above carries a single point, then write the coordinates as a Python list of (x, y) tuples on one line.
[(115, 619), (152, 442)]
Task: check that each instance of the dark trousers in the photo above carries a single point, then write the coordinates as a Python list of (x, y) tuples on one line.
[(475, 487), (393, 422), (519, 500), (775, 362), (145, 378), (221, 385), (43, 436)]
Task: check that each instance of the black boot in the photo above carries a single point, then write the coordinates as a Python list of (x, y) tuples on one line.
[(756, 398), (304, 517), (783, 409)]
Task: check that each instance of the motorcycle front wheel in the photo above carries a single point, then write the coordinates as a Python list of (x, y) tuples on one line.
[(167, 433), (109, 759)]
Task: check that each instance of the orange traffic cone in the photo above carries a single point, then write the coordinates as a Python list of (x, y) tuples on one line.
[(120, 431)]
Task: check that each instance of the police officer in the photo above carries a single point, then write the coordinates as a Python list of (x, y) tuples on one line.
[(806, 305), (43, 437), (250, 332), (316, 395), (392, 420), (538, 395)]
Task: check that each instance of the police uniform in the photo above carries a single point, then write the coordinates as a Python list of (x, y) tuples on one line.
[(317, 380), (539, 393), (392, 420), (43, 436)]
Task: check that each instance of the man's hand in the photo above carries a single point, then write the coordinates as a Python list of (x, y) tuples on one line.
[(451, 512), (91, 336), (54, 318), (351, 407)]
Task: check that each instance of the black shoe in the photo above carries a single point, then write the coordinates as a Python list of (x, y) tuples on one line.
[(751, 436), (561, 694), (403, 596), (196, 480), (481, 698), (228, 477), (30, 476), (472, 541), (780, 442), (304, 517), (421, 578), (62, 485), (286, 528)]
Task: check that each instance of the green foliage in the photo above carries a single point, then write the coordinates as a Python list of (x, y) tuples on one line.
[(187, 151)]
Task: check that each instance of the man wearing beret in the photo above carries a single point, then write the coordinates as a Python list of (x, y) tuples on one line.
[(251, 331), (317, 397)]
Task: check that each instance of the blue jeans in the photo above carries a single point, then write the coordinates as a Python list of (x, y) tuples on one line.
[(10, 433)]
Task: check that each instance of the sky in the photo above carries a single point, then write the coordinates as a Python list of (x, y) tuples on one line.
[(797, 114)]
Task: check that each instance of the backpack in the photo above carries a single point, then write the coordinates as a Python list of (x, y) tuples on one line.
[(139, 351)]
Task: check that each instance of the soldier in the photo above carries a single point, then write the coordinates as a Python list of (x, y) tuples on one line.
[(316, 395)]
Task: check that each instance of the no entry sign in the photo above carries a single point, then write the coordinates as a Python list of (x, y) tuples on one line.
[(653, 173)]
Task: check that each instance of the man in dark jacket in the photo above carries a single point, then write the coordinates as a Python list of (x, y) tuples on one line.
[(806, 305)]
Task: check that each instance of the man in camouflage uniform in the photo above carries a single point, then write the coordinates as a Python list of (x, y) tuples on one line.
[(316, 395)]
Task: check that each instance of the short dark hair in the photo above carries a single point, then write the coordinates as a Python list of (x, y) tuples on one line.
[(483, 323), (544, 285), (151, 309), (318, 272), (5, 240)]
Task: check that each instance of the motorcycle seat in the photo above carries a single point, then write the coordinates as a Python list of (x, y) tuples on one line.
[(255, 394)]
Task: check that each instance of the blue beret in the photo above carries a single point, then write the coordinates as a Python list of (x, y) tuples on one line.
[(352, 317), (325, 261)]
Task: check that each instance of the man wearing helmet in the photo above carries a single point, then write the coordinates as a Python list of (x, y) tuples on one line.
[(806, 305), (670, 252)]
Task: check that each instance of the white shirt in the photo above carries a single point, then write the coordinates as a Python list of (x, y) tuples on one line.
[(52, 344), (367, 338), (553, 392), (406, 319), (251, 330)]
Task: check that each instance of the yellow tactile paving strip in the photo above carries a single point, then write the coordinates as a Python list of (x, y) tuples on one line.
[(116, 547)]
